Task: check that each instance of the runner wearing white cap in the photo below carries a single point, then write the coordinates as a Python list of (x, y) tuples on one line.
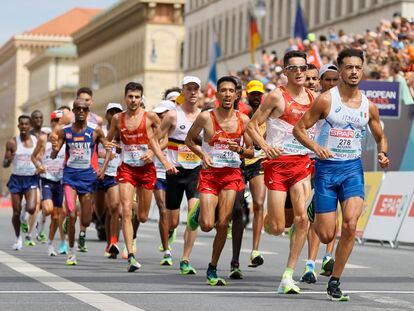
[(176, 125), (328, 77)]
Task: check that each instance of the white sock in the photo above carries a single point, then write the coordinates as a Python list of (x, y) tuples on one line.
[(167, 252), (310, 262)]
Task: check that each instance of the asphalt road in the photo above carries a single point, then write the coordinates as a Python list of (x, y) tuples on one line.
[(378, 278)]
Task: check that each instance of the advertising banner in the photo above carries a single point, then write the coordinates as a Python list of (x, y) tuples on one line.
[(384, 94), (390, 206), (406, 233)]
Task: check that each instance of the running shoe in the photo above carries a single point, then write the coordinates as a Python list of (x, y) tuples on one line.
[(82, 244), (65, 225), (335, 293), (63, 248), (256, 259), (24, 227), (18, 245), (172, 236), (192, 219), (213, 279), (113, 249), (235, 272), (327, 265), (51, 251), (133, 265), (309, 276), (106, 253), (166, 260), (186, 268), (71, 261), (161, 248), (291, 231), (42, 237), (311, 212), (229, 230), (124, 254), (288, 286), (29, 242)]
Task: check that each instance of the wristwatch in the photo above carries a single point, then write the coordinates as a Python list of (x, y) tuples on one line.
[(241, 151)]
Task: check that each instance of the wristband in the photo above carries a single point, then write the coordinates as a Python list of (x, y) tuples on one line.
[(384, 153), (241, 151)]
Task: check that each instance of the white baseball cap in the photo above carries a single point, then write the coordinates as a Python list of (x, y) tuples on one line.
[(191, 79), (114, 105), (164, 105), (327, 67), (172, 95)]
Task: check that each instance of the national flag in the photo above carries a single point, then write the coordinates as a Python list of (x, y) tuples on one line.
[(212, 74), (314, 57), (300, 30), (255, 38)]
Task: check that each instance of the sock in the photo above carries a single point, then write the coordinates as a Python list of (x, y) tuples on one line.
[(41, 219), (211, 267), (130, 255), (113, 240), (327, 254), (234, 263), (82, 234), (333, 279), (288, 274), (49, 242), (311, 263), (167, 252), (71, 250)]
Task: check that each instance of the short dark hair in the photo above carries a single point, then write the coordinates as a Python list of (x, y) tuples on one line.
[(64, 107), (312, 67), (23, 116), (84, 89), (292, 54), (35, 111), (349, 53), (226, 79), (134, 86)]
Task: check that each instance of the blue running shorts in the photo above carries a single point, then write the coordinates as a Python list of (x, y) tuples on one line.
[(22, 184), (52, 190), (81, 180), (161, 184), (106, 183)]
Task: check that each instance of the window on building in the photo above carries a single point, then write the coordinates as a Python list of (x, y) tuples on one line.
[(279, 18), (234, 33), (202, 45), (241, 29), (317, 12), (226, 31), (209, 40), (306, 10), (191, 49), (362, 4), (338, 8), (349, 6), (328, 10)]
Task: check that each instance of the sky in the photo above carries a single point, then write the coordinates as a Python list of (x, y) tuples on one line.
[(17, 16)]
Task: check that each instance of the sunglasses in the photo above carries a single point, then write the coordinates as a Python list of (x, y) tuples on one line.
[(81, 109), (296, 68)]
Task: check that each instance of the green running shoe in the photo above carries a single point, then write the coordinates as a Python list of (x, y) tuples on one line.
[(256, 259), (24, 227), (335, 293), (311, 212), (186, 268), (213, 279), (133, 265), (42, 237), (29, 242), (235, 272), (291, 231), (327, 265), (288, 286), (166, 260), (82, 244), (192, 219), (71, 261), (229, 230)]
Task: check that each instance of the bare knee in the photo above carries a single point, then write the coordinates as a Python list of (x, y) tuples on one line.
[(301, 222), (275, 228), (326, 236), (206, 225), (258, 207), (349, 228), (142, 218)]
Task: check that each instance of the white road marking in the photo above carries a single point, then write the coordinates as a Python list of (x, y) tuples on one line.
[(403, 304), (94, 298), (179, 241), (347, 266), (207, 292), (245, 250)]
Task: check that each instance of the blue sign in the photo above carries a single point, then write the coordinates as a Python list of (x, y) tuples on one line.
[(385, 95)]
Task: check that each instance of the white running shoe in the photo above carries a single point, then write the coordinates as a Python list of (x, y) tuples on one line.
[(288, 286), (18, 245), (52, 251)]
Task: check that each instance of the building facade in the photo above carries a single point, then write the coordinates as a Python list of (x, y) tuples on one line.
[(229, 19), (137, 41)]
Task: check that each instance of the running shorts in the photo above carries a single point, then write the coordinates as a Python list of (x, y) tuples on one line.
[(185, 180), (141, 176), (252, 170), (83, 181), (52, 190), (214, 180), (285, 171), (106, 183), (337, 180), (22, 184), (161, 184)]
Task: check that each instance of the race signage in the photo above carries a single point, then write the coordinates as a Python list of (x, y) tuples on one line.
[(384, 94)]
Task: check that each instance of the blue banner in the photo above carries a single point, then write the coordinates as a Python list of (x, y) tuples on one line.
[(384, 94)]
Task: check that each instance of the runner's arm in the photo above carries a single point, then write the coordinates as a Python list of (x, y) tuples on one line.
[(38, 153), (248, 151), (379, 135), (195, 130), (10, 152), (167, 125), (57, 141), (319, 110)]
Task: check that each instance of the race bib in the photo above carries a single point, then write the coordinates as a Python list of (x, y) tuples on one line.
[(292, 146), (131, 154), (223, 157), (25, 165), (79, 157), (344, 144), (187, 158)]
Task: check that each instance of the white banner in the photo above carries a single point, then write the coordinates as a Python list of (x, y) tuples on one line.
[(390, 206), (406, 233)]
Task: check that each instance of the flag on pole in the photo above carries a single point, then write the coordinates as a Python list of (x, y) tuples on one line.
[(213, 56), (255, 38), (300, 30), (314, 57)]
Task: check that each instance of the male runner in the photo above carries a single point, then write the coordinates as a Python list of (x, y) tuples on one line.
[(79, 173), (86, 94), (253, 174), (329, 77), (312, 78), (221, 178), (51, 173), (107, 189), (344, 112), (159, 192), (23, 181), (176, 125), (137, 171), (287, 168)]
